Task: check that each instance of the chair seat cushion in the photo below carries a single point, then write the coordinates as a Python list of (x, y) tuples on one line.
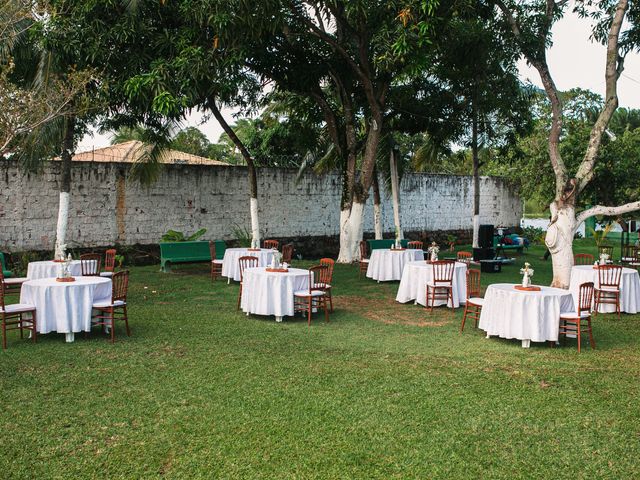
[(15, 280), (306, 293), (217, 262), (439, 285), (573, 315), (476, 301), (326, 286), (106, 274), (364, 260), (18, 307), (107, 304), (609, 289)]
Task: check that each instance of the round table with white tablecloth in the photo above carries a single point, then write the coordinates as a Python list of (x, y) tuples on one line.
[(65, 307), (271, 293), (415, 277), (629, 287), (230, 267), (527, 316), (386, 264), (49, 269)]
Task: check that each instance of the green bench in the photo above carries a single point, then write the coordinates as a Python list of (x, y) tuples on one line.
[(188, 252), (3, 264), (504, 246), (376, 244)]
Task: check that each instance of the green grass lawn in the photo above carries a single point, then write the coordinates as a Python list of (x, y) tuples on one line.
[(382, 391)]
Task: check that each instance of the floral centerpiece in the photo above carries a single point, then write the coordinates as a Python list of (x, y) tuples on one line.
[(398, 243), (276, 259), (604, 258), (527, 273), (433, 250)]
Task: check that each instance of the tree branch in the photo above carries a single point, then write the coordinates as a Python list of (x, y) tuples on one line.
[(613, 70), (606, 211)]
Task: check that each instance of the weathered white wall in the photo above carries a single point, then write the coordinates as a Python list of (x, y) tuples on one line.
[(107, 208)]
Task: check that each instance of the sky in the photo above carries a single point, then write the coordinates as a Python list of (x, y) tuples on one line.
[(573, 59)]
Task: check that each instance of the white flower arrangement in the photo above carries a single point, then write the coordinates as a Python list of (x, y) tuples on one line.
[(604, 258), (433, 250)]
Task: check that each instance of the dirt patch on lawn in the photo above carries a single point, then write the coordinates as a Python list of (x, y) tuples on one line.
[(390, 312)]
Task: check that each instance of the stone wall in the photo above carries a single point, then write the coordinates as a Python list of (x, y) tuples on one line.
[(109, 208)]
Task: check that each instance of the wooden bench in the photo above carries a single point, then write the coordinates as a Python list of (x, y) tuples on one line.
[(187, 252), (387, 243)]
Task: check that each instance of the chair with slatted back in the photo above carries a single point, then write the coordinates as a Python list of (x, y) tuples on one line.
[(90, 264), (574, 322), (606, 249), (464, 257), (474, 302), (329, 262), (12, 284), (271, 244), (608, 290), (583, 259), (244, 263), (216, 264), (12, 317), (315, 297), (287, 253), (363, 261), (628, 254), (115, 308), (635, 260), (441, 286), (415, 244), (109, 263)]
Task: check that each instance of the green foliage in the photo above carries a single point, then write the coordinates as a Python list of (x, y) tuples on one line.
[(119, 260), (242, 235), (600, 236), (535, 235), (175, 236)]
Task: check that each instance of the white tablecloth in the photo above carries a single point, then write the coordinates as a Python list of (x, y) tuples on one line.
[(271, 293), (386, 264), (415, 277), (230, 268), (534, 316), (629, 287), (49, 269), (65, 307)]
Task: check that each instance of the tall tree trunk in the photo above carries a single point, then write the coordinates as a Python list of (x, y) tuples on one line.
[(559, 241), (476, 179), (251, 169), (377, 207), (350, 232), (395, 193), (65, 186)]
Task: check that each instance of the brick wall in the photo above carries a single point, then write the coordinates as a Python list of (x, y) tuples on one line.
[(109, 208)]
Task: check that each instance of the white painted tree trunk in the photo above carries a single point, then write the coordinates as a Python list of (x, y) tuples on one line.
[(350, 233), (395, 195), (377, 220), (63, 222), (255, 223), (559, 241), (476, 231)]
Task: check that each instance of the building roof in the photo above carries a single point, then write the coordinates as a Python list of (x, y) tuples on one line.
[(130, 152)]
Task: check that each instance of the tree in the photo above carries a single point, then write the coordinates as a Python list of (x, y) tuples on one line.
[(530, 25)]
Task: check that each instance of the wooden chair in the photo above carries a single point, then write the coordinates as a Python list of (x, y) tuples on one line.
[(605, 249), (474, 303), (583, 259), (216, 265), (464, 257), (287, 253), (329, 262), (441, 287), (245, 262), (11, 285), (415, 244), (316, 297), (108, 311), (271, 244), (109, 263), (572, 323), (608, 289), (12, 317), (90, 264), (629, 254), (364, 259)]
